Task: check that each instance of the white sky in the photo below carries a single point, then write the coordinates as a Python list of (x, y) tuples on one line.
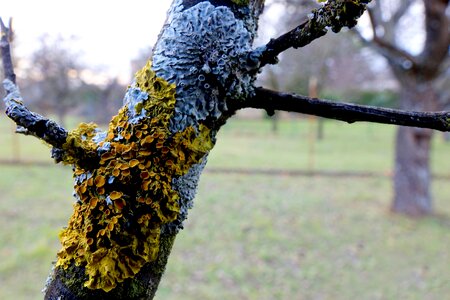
[(108, 33)]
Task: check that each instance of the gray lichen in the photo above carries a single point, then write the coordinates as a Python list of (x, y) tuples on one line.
[(12, 93), (200, 51), (134, 98), (186, 186)]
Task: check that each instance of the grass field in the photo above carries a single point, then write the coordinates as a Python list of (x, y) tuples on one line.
[(257, 237)]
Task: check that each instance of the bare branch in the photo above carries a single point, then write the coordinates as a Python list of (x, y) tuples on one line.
[(393, 53), (401, 10), (347, 112), (387, 49), (437, 38), (335, 14), (29, 123), (6, 38), (35, 124)]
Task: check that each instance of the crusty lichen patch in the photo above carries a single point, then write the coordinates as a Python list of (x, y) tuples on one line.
[(122, 204), (79, 143)]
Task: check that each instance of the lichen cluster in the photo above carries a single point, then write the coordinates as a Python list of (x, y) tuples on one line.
[(79, 143), (338, 14), (123, 203), (150, 159), (200, 51)]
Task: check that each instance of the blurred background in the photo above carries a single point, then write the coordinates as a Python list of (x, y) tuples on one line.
[(289, 207)]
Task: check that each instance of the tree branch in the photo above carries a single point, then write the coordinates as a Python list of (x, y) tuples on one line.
[(35, 124), (350, 113), (401, 10), (6, 38), (335, 14), (437, 38), (387, 49), (30, 123)]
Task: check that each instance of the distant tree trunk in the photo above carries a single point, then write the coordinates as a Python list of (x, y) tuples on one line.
[(415, 74), (412, 175)]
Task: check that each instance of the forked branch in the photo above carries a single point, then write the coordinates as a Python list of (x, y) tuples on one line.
[(347, 112), (387, 49)]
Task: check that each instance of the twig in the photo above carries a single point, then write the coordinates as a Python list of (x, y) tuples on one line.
[(6, 39), (335, 14), (350, 113)]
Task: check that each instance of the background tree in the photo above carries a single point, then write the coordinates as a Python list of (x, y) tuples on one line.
[(54, 77), (135, 181), (98, 102), (417, 75)]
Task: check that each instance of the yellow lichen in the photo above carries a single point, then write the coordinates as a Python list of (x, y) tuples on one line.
[(79, 143), (115, 227)]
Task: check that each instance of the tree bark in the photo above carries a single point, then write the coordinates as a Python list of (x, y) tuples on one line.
[(412, 175)]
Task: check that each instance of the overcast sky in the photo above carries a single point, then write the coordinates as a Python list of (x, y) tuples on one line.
[(108, 33)]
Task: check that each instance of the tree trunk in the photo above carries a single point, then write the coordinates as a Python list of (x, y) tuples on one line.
[(412, 175), (412, 172), (133, 196), (415, 74)]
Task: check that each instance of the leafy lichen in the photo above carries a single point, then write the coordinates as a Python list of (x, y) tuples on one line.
[(79, 143), (123, 203), (205, 43)]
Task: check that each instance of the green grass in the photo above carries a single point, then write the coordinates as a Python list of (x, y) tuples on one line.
[(305, 238), (35, 202), (257, 237)]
